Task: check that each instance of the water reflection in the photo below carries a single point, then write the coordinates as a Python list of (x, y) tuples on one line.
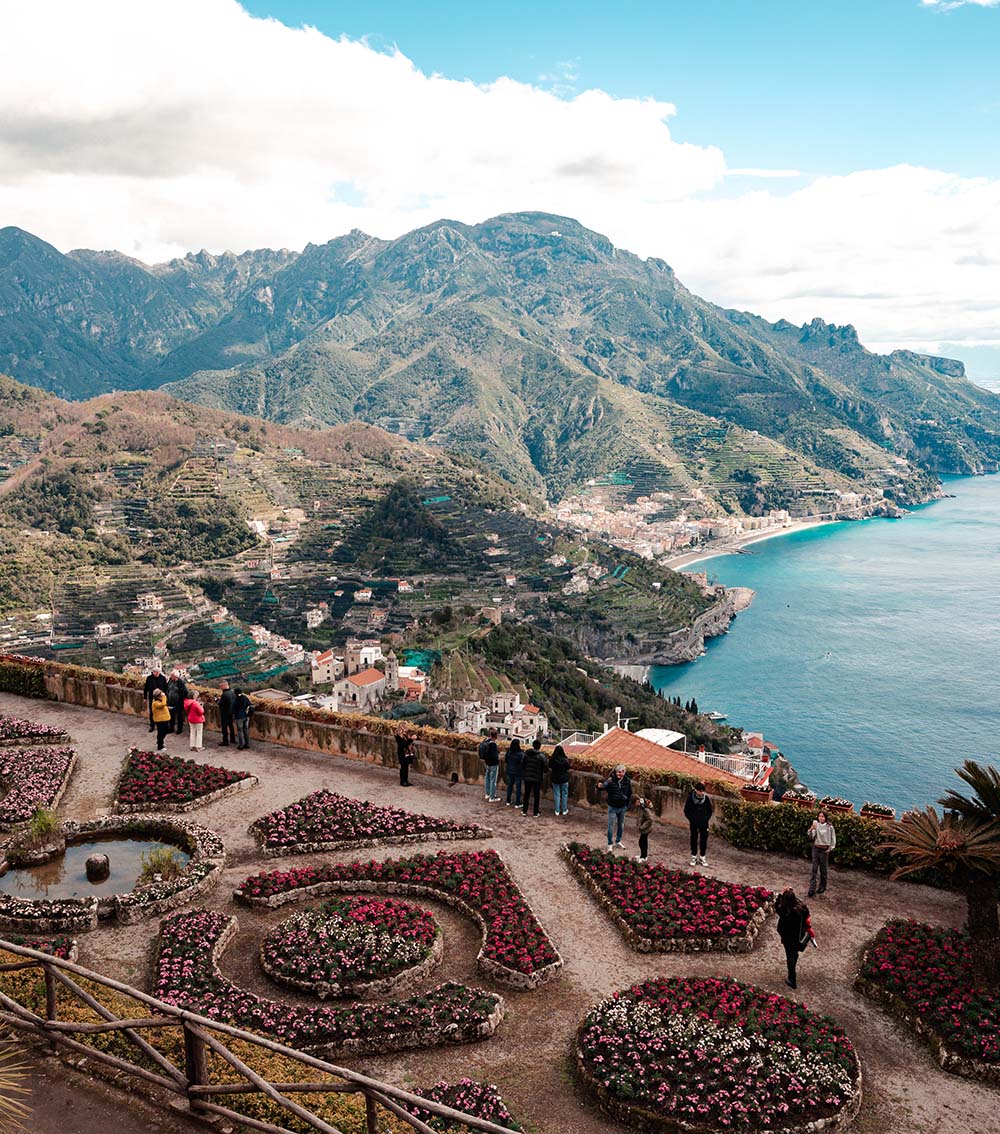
[(66, 876)]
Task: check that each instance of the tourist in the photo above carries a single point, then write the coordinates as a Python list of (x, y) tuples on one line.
[(794, 929), (824, 840), (177, 694), (160, 713), (698, 811), (619, 789), (559, 775), (227, 701), (242, 712), (514, 771), (404, 754), (489, 753), (154, 680), (645, 826), (195, 711), (535, 766)]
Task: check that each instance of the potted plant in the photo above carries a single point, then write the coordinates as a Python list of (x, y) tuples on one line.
[(756, 794), (800, 797), (836, 804), (879, 811)]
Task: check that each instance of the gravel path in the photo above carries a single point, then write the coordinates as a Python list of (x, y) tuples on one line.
[(528, 1058)]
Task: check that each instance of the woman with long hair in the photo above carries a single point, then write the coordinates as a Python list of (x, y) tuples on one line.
[(794, 929)]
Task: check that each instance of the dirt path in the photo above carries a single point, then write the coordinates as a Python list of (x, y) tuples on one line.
[(905, 1090)]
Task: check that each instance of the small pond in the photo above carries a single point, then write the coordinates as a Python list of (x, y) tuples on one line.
[(66, 876)]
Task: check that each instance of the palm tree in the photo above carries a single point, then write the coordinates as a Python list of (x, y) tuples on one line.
[(968, 851), (984, 807)]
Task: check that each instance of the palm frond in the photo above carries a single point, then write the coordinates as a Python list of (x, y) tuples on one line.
[(13, 1088), (985, 783), (927, 841)]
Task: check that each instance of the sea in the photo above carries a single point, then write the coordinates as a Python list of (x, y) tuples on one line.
[(871, 653)]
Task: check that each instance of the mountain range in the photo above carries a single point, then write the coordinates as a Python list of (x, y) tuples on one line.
[(528, 343)]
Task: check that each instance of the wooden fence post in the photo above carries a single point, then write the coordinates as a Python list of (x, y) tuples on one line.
[(51, 1012), (195, 1063), (371, 1116)]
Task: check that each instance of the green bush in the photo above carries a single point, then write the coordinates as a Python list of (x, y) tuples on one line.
[(23, 677), (785, 828)]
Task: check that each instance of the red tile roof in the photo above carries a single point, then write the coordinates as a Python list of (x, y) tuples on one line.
[(618, 746), (367, 677), (530, 709)]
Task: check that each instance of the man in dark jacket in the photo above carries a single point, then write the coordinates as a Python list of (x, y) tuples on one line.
[(698, 812), (489, 753), (242, 712), (619, 789), (227, 705), (514, 762), (404, 754), (177, 694), (154, 680), (535, 767)]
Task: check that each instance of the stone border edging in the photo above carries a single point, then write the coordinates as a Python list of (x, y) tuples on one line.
[(502, 974), (742, 944), (399, 1041), (234, 788), (202, 871), (947, 1058), (63, 740), (360, 844), (652, 1122), (379, 987)]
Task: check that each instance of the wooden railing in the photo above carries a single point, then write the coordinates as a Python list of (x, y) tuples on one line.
[(193, 1080)]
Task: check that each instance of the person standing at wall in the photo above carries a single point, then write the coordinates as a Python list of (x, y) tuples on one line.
[(619, 789), (227, 703), (514, 769), (824, 840), (404, 754), (535, 766), (559, 775), (489, 753), (698, 812), (242, 712), (645, 826), (154, 680), (195, 711), (177, 694)]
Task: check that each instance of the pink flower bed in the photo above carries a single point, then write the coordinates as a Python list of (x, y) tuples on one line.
[(664, 909), (476, 880), (927, 973), (159, 781), (348, 941), (326, 820), (34, 778), (187, 976), (14, 728), (62, 947), (711, 1054), (483, 1100)]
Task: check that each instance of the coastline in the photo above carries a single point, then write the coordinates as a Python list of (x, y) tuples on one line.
[(728, 546)]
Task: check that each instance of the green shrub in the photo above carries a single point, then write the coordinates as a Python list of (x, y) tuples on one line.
[(162, 861), (41, 825), (22, 676)]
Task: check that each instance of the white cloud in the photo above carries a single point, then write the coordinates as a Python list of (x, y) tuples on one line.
[(948, 5), (176, 124)]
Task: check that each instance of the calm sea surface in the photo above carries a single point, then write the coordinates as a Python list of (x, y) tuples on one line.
[(871, 654)]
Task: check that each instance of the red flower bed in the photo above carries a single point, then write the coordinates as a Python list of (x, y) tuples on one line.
[(483, 1100), (326, 820), (477, 880), (159, 781), (61, 947), (927, 971), (712, 1054), (664, 909)]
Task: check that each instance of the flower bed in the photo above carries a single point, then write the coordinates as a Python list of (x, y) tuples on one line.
[(710, 1054), (63, 947), (328, 821), (663, 910), (351, 946), (924, 974), (34, 778), (188, 976), (516, 950), (483, 1100), (15, 731), (157, 781)]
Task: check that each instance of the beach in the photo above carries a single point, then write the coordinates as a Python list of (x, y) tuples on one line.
[(734, 543)]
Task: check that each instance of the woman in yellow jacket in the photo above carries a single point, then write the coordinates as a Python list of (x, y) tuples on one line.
[(161, 718)]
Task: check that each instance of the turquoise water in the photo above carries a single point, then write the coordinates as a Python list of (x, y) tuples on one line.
[(871, 653)]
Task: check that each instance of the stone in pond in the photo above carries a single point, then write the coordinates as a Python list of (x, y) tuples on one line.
[(98, 867)]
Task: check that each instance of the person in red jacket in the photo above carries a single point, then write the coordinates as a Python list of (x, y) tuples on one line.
[(196, 719)]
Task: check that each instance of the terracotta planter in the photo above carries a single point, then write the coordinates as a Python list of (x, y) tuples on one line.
[(877, 815), (756, 795), (834, 809)]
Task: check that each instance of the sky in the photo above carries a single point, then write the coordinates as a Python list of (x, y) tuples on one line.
[(837, 158)]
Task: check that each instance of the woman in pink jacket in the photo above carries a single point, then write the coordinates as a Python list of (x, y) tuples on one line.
[(196, 719)]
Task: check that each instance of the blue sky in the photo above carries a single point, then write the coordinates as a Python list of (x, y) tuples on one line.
[(172, 125), (825, 86)]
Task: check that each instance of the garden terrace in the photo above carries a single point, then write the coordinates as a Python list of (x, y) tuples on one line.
[(905, 1091), (327, 821)]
